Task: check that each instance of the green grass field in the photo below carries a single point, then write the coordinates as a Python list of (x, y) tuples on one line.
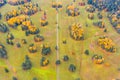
[(86, 69)]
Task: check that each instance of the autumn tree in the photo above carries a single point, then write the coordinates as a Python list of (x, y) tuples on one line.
[(77, 32)]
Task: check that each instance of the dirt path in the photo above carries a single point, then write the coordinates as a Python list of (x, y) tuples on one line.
[(81, 53)]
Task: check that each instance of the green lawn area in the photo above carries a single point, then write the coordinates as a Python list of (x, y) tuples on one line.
[(85, 68)]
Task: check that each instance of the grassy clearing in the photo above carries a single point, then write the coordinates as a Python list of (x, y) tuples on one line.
[(84, 67)]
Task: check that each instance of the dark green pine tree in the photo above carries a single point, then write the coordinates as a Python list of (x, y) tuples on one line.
[(27, 64)]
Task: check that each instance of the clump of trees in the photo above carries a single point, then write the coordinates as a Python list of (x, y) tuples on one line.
[(38, 38), (114, 19), (29, 28), (25, 23), (43, 22), (46, 50), (16, 21), (3, 27), (99, 15), (97, 59), (72, 10), (29, 8), (72, 68), (76, 32), (109, 5), (17, 2), (90, 9), (10, 38), (27, 64), (99, 24), (32, 48), (3, 52), (56, 4), (12, 14), (44, 61), (106, 44), (3, 2)]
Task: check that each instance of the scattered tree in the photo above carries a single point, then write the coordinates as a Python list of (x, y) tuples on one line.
[(3, 52), (14, 78), (58, 62), (6, 70), (38, 38), (46, 50), (86, 52), (72, 68), (65, 58), (44, 61), (32, 48), (27, 64)]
